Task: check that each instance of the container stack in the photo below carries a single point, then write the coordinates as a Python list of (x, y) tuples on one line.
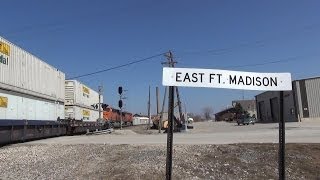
[(81, 102), (30, 89)]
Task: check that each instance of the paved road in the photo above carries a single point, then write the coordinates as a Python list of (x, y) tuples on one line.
[(204, 133)]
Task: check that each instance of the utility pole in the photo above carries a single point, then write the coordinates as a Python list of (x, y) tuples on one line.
[(179, 104), (162, 109), (149, 111), (157, 95), (171, 63), (100, 90), (158, 113)]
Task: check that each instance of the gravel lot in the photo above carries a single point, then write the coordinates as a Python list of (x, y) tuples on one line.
[(210, 151), (238, 161)]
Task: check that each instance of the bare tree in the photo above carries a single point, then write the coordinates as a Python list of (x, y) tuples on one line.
[(207, 112)]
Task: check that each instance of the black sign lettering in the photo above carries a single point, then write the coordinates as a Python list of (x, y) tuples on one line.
[(211, 77), (265, 81), (258, 81), (232, 80), (223, 79), (274, 81), (219, 77), (201, 75), (186, 77), (248, 80), (177, 76), (240, 80), (194, 77)]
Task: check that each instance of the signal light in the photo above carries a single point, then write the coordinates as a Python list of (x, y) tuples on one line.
[(120, 90), (120, 104)]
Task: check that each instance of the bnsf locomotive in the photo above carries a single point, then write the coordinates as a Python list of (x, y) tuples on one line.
[(113, 116)]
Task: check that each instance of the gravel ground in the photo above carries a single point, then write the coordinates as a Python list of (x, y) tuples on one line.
[(98, 161), (142, 129)]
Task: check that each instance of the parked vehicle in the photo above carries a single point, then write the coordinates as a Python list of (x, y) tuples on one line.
[(245, 120)]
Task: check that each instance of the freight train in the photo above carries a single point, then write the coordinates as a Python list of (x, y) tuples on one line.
[(36, 101)]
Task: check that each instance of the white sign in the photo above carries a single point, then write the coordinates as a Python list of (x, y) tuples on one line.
[(215, 78)]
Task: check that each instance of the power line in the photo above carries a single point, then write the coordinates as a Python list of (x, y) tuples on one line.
[(266, 63), (117, 67), (257, 43), (282, 60)]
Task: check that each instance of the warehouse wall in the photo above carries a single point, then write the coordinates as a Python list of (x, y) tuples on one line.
[(307, 97), (268, 106)]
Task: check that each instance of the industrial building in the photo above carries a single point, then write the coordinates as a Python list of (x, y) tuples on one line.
[(307, 99), (226, 115), (268, 106), (229, 113), (300, 104)]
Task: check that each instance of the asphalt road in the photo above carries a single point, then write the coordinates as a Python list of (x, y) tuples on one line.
[(203, 133)]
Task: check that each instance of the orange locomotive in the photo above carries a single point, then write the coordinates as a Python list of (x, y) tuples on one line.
[(112, 116)]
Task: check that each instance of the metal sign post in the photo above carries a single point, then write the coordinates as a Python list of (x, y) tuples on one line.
[(217, 78), (281, 141), (170, 133)]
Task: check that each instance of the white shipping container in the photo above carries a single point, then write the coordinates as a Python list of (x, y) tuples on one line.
[(22, 72), (140, 120), (16, 106), (79, 94), (80, 113)]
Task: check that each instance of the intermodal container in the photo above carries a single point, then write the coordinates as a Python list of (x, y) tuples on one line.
[(23, 72), (78, 94), (81, 113), (17, 106)]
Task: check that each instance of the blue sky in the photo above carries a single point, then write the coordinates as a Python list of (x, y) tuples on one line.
[(83, 36)]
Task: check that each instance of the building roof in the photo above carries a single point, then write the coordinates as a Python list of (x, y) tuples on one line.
[(231, 109), (318, 77)]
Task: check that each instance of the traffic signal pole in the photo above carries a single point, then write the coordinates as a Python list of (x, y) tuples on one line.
[(120, 104), (120, 113)]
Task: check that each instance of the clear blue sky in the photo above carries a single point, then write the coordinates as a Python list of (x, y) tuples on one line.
[(82, 36)]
